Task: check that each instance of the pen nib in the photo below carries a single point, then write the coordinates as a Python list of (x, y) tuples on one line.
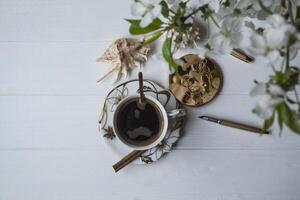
[(203, 117)]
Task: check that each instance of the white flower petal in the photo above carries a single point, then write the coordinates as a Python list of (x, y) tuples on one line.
[(276, 90), (259, 89), (211, 54), (154, 2), (137, 9), (276, 38), (237, 25), (243, 4), (236, 39), (275, 101), (294, 50), (146, 20), (264, 113), (275, 20), (275, 58), (223, 12), (155, 12), (256, 6), (220, 44), (258, 44), (269, 96), (227, 24), (171, 1), (213, 4), (264, 101), (263, 106)]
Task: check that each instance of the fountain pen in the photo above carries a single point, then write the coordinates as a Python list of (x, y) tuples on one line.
[(234, 125)]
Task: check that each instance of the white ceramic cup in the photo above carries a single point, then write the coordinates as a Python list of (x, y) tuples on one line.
[(164, 121)]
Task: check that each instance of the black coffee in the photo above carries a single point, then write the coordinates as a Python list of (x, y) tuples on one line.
[(139, 126)]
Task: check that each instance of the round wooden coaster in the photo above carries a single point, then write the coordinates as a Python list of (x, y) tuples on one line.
[(198, 80)]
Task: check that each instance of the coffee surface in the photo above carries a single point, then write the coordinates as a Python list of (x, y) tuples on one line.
[(139, 126)]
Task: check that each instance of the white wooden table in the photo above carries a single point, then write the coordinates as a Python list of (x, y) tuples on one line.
[(49, 102)]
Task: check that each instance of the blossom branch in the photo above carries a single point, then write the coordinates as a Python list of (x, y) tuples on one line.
[(191, 14), (264, 7), (289, 5), (287, 65), (215, 22)]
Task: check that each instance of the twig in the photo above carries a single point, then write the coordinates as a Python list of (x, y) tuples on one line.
[(264, 7), (191, 14), (171, 11), (287, 65), (215, 21), (289, 5)]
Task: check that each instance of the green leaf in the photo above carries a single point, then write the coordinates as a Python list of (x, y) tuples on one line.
[(287, 79), (207, 46), (297, 18), (291, 101), (237, 11), (260, 30), (154, 37), (226, 3), (289, 118), (298, 12), (135, 28), (280, 120), (206, 11), (269, 122), (167, 54), (164, 9), (183, 4)]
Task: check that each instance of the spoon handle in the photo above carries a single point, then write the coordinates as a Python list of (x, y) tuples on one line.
[(142, 96)]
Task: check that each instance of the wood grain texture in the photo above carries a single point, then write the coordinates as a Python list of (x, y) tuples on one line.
[(70, 68), (50, 147), (204, 174), (62, 20), (62, 122)]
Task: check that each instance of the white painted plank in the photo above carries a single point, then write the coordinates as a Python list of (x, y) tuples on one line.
[(70, 122), (49, 103), (63, 20), (69, 68), (211, 175)]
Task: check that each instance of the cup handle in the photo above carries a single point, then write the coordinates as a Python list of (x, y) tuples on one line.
[(176, 113)]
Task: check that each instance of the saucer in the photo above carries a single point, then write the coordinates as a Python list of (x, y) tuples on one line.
[(129, 88)]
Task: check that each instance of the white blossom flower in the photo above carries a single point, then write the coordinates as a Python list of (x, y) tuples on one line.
[(172, 1), (268, 97), (230, 36), (250, 8), (279, 30), (234, 8), (213, 4), (296, 115), (260, 45), (295, 47), (275, 6), (147, 9), (273, 39)]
